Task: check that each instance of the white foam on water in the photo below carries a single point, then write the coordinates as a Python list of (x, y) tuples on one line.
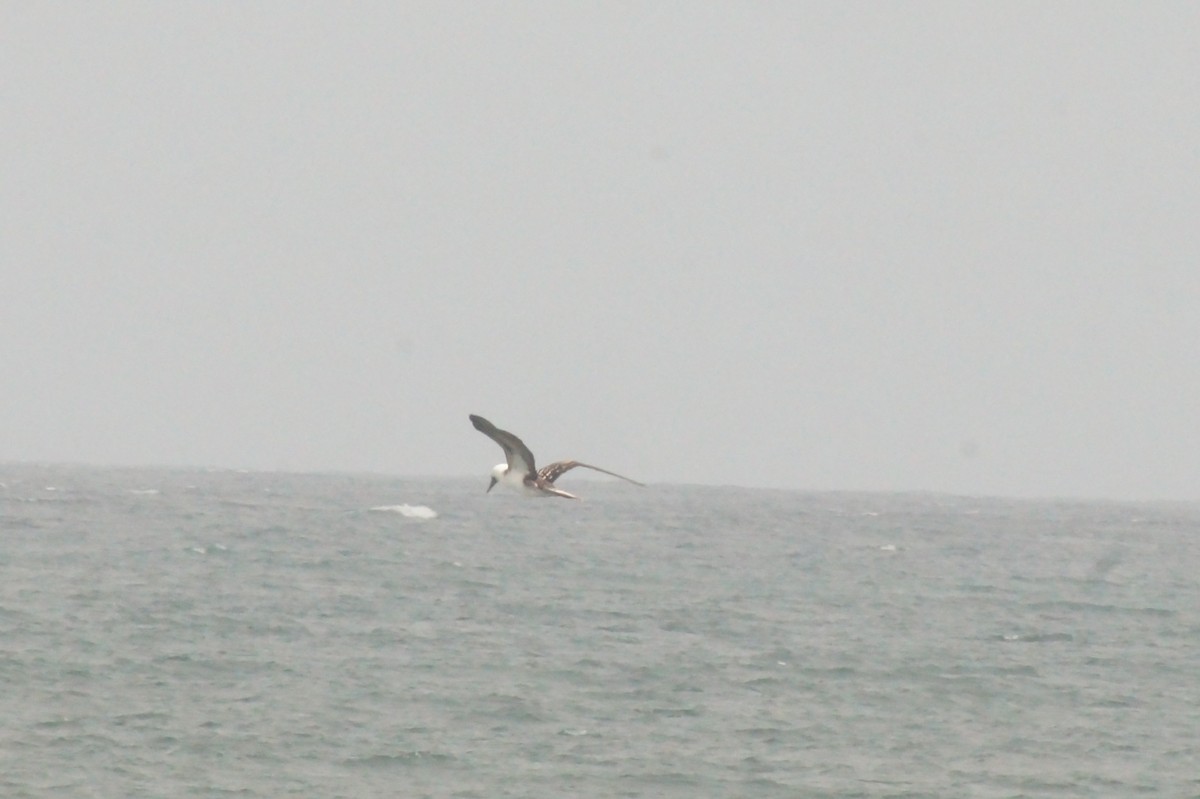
[(408, 511)]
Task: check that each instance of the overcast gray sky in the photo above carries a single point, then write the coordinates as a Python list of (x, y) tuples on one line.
[(935, 246)]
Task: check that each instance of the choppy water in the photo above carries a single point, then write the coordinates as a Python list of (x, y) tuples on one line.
[(190, 633)]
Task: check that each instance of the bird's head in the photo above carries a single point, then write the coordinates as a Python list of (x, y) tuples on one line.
[(497, 472)]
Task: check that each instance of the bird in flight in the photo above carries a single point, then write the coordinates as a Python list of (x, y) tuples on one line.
[(519, 471)]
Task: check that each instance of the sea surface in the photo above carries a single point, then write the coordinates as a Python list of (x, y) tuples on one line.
[(201, 633)]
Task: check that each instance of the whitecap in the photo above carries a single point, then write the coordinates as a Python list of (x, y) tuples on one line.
[(409, 511), (146, 491)]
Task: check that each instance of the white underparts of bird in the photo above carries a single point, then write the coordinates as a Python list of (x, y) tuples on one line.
[(519, 471)]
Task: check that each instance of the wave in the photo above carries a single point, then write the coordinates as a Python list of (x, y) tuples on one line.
[(408, 511)]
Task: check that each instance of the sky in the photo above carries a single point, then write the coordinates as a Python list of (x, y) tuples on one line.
[(928, 246)]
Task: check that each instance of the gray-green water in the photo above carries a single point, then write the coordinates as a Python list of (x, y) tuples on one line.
[(174, 633)]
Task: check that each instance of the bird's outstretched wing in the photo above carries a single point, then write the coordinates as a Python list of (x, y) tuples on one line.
[(519, 458), (553, 471)]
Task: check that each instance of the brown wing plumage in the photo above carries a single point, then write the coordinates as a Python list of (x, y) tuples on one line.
[(553, 471), (515, 452)]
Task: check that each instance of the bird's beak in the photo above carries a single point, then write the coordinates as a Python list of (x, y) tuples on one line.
[(491, 485)]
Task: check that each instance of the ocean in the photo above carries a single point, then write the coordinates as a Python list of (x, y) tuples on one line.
[(209, 633)]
